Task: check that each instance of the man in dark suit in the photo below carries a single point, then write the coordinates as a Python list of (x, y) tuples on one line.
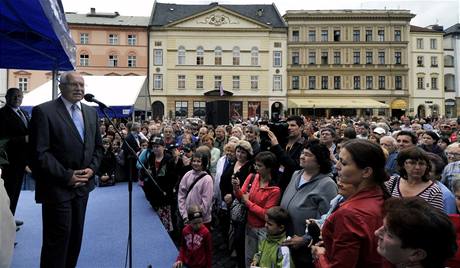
[(14, 127), (66, 153)]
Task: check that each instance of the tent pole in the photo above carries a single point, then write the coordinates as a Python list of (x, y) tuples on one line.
[(55, 86)]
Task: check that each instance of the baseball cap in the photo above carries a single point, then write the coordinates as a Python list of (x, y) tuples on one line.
[(380, 131)]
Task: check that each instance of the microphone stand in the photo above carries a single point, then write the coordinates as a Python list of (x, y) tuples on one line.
[(132, 166)]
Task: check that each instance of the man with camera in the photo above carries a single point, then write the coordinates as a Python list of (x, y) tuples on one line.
[(288, 155)]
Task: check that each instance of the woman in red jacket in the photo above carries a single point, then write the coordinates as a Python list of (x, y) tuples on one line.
[(261, 196), (348, 234)]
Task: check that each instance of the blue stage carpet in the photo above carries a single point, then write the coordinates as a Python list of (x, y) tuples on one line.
[(106, 231)]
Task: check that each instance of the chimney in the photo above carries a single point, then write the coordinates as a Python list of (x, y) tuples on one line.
[(93, 10)]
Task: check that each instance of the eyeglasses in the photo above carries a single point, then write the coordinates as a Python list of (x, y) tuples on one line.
[(411, 162), (453, 154)]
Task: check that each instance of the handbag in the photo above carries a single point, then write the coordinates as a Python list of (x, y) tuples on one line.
[(239, 211)]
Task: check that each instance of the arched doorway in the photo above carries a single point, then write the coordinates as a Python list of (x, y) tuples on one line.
[(277, 108), (158, 110), (421, 111)]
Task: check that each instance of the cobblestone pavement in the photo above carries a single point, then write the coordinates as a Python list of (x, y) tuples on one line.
[(221, 257)]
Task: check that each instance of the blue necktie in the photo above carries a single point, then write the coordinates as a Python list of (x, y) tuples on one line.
[(78, 120)]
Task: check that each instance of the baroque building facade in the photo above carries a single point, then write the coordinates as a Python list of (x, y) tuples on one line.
[(226, 60), (348, 62), (452, 70)]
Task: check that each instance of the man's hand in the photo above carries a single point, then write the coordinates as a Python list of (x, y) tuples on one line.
[(80, 177), (295, 242), (273, 139)]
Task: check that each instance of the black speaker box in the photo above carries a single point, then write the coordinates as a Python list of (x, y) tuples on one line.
[(217, 112)]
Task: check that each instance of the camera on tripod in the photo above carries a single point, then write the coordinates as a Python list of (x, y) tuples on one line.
[(279, 128)]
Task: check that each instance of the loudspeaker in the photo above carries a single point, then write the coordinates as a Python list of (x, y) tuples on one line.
[(217, 112)]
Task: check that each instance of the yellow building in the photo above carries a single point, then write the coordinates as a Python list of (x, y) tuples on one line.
[(198, 50), (107, 44), (348, 62), (426, 65)]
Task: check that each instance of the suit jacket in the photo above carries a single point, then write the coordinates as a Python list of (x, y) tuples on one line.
[(13, 128), (58, 150)]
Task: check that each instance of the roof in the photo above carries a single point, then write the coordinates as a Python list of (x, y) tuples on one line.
[(453, 29), (163, 14), (105, 19), (414, 28)]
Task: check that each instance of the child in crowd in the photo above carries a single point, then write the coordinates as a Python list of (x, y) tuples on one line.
[(270, 252), (196, 245)]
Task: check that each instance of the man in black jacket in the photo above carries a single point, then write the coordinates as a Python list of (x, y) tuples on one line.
[(66, 153)]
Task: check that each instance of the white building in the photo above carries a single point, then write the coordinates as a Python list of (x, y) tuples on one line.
[(451, 69)]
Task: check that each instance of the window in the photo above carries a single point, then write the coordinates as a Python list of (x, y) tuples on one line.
[(157, 43), (199, 109), (158, 81), (336, 82), (199, 56), (295, 82), (420, 83), (132, 39), (311, 82), (23, 83), (277, 85), (381, 82), (113, 39), (434, 83), (381, 57), (324, 82), (369, 82), (113, 60), (236, 56), (381, 35), (132, 61), (324, 34), (356, 82), (369, 57), (199, 82), (295, 58), (397, 57), (295, 36), (217, 81), (398, 35), (356, 35), (337, 57), (84, 59), (218, 56), (182, 109), (324, 57), (277, 44), (398, 82), (158, 57), (254, 82), (236, 82), (181, 81), (419, 43), (312, 36), (254, 56), (277, 60), (181, 55), (419, 61), (434, 61), (84, 38), (368, 35), (356, 57), (312, 57), (433, 44), (336, 35)]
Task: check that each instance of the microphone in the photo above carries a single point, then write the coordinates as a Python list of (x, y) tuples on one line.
[(90, 98)]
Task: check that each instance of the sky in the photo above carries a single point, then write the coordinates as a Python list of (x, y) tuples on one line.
[(442, 12)]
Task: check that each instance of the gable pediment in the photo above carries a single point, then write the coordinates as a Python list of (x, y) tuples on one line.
[(218, 18)]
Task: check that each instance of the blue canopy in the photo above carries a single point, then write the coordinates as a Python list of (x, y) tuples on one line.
[(34, 35)]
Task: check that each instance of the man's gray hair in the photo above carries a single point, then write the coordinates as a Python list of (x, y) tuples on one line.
[(64, 77)]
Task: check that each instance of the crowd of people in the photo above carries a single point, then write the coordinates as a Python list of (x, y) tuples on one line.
[(301, 192), (347, 178)]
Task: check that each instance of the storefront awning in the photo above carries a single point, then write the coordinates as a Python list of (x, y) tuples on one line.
[(336, 103)]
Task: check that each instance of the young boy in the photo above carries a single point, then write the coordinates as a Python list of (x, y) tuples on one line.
[(195, 249), (270, 252)]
